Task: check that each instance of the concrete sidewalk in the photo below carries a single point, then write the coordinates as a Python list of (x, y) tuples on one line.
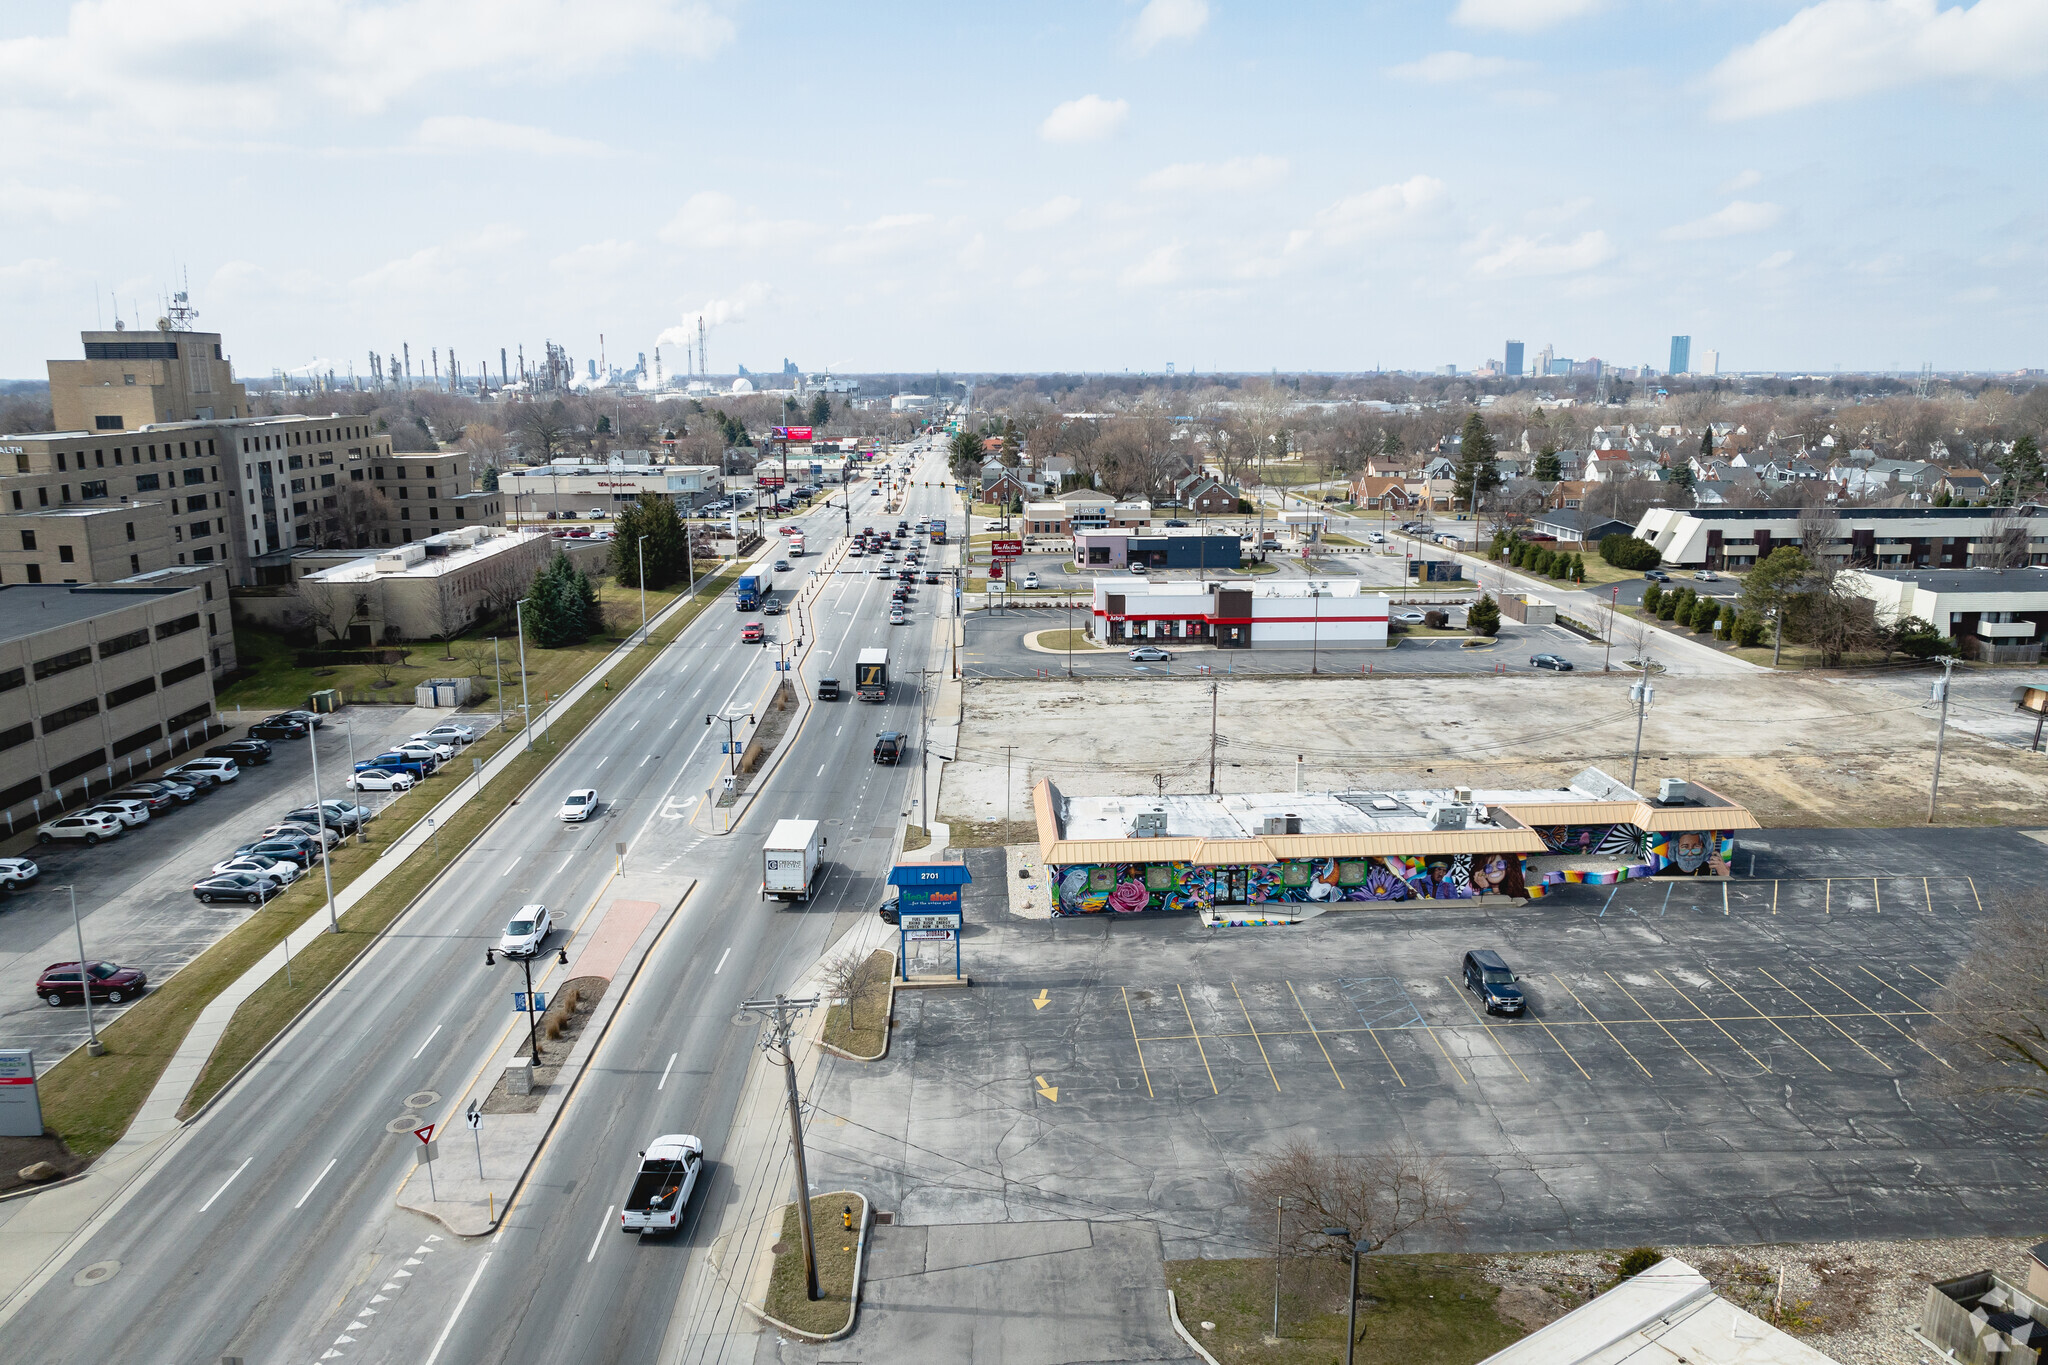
[(37, 1237), (481, 1172)]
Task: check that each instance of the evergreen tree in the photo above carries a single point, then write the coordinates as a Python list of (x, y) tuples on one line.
[(1653, 598), (561, 605), (1578, 568), (1483, 616), (654, 517), (2021, 470), (1682, 476), (821, 410), (1707, 443), (490, 480), (1477, 473), (1549, 469)]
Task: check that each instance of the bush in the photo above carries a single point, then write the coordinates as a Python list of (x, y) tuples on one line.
[(1704, 613), (1627, 552), (1917, 638), (1578, 568), (1749, 629), (1725, 627), (1668, 605), (1653, 597), (1436, 620), (1483, 616), (1637, 1261), (1562, 567)]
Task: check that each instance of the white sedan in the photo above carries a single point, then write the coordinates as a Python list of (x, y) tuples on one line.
[(580, 804), (283, 873), (380, 780), (449, 733), (415, 748), (526, 931)]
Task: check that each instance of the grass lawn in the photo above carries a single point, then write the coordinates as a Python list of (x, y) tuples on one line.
[(861, 1026), (1412, 1310), (1332, 538), (1262, 568), (1076, 640), (915, 836), (276, 682), (89, 1101), (787, 1301)]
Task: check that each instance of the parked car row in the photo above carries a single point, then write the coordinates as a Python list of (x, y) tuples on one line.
[(124, 808), (400, 767), (275, 858)]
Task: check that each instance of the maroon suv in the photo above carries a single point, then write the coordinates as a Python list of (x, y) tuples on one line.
[(58, 985)]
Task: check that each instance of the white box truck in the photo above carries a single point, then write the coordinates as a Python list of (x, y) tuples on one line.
[(790, 860)]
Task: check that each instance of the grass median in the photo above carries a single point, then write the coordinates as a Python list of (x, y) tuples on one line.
[(836, 1246), (89, 1101)]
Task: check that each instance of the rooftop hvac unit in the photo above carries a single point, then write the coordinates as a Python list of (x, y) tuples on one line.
[(1149, 824), (1448, 815), (1674, 791), (1462, 794), (1281, 824)]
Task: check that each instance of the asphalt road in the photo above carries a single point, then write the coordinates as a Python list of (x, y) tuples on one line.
[(135, 892), (272, 1227)]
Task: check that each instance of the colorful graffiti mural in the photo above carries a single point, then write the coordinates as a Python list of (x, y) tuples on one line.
[(1688, 853), (1134, 888)]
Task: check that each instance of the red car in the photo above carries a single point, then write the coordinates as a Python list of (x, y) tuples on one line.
[(789, 530), (750, 633), (58, 985)]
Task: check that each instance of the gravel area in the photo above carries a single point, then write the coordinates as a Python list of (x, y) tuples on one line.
[(1853, 1301), (1030, 895)]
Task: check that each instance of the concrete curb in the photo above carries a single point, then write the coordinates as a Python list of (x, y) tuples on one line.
[(860, 1256), (888, 1032), (1173, 1312)]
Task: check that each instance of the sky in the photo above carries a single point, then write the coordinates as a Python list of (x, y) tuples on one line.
[(1125, 184)]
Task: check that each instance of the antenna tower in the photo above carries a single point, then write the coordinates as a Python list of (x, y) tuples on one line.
[(703, 369), (1925, 388)]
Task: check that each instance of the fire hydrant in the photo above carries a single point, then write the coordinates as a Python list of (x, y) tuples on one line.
[(847, 1215)]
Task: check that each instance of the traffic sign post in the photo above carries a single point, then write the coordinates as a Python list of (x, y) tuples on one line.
[(475, 1118), (425, 1156)]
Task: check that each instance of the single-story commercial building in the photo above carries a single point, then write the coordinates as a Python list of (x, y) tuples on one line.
[(1208, 854), (1876, 537), (422, 591), (1329, 613), (1986, 609), (576, 487), (1166, 550), (1574, 525)]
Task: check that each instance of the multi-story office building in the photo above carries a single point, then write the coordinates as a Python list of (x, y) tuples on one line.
[(137, 379), (1681, 355), (1514, 359), (96, 682)]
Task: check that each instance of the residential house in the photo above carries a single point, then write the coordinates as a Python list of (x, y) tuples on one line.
[(1000, 486), (1569, 494), (1202, 494), (1384, 494), (1963, 485), (1440, 467), (1602, 468), (1575, 526)]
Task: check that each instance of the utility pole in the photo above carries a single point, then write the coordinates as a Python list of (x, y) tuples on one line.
[(1607, 646), (782, 1014), (1008, 750), (1948, 664), (1640, 693), (1212, 739), (924, 763)]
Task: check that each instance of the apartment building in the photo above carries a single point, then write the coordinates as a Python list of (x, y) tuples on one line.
[(1863, 537), (96, 681)]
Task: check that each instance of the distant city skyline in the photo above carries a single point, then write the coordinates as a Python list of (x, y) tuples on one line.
[(1855, 191)]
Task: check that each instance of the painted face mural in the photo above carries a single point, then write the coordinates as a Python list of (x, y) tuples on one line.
[(1691, 853)]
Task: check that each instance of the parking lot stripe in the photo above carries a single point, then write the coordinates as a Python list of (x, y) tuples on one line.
[(1135, 1043), (1875, 896), (1928, 892), (1462, 1078), (1761, 1064), (1765, 1017), (1774, 897), (1542, 1024), (1829, 1021), (1875, 1015), (1319, 1040), (1255, 1033), (1658, 1022), (1198, 1039), (1603, 1026), (1973, 894), (1482, 1022), (1827, 898)]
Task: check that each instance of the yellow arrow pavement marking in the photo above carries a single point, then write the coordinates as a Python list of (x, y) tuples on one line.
[(1051, 1092), (1043, 999)]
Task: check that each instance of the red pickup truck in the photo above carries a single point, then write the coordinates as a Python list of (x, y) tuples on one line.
[(750, 633)]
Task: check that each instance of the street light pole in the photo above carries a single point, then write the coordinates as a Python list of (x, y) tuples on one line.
[(640, 553), (320, 822), (1351, 1313), (498, 679), (94, 1047), (525, 702), (1948, 664), (1640, 694)]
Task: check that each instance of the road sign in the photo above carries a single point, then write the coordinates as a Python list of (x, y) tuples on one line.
[(425, 1134), (1006, 549), (922, 922), (929, 935), (475, 1118), (21, 1109)]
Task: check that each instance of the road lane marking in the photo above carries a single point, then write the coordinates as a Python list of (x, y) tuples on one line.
[(225, 1183), (643, 762), (460, 1304), (672, 724), (721, 962), (316, 1183), (565, 864), (601, 761), (509, 866), (634, 726), (665, 1070), (821, 770), (602, 1228), (423, 1046)]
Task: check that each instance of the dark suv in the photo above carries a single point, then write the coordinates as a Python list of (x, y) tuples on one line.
[(1487, 977), (58, 985), (888, 746), (242, 750)]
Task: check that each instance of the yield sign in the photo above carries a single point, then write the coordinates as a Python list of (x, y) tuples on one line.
[(425, 1134)]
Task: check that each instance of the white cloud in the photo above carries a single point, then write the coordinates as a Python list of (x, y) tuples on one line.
[(1160, 267), (1777, 260), (1520, 16), (711, 221), (1163, 20), (468, 135), (1451, 68), (1741, 181), (1840, 49), (1740, 216), (1087, 119), (608, 257), (1239, 174), (1374, 212), (206, 64), (61, 203), (444, 270), (1517, 256), (1051, 213)]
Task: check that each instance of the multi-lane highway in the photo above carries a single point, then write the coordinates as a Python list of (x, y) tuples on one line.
[(271, 1227)]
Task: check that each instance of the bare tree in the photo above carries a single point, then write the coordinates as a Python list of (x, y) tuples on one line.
[(2004, 542), (1827, 611), (1996, 1004), (451, 613), (328, 607)]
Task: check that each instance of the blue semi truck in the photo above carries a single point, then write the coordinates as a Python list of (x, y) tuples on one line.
[(754, 587)]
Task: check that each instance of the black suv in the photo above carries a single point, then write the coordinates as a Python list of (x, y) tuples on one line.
[(1487, 977), (828, 689), (888, 746), (278, 727), (243, 751)]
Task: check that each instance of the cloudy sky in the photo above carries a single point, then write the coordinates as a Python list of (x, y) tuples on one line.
[(1109, 185)]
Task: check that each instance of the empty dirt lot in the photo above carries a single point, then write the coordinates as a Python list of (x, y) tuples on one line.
[(1797, 750)]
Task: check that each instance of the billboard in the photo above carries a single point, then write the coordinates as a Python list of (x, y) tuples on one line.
[(1006, 549), (768, 480), (792, 433)]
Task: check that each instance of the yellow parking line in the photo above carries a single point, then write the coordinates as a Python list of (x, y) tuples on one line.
[(1477, 1019), (1658, 1022), (1562, 1048), (1875, 1015), (1830, 1022), (1875, 896), (1198, 1039), (1255, 1034), (1928, 1012), (1319, 1039), (1462, 1080), (1603, 1024), (1827, 898), (1928, 892), (1135, 1043), (1765, 1017), (1762, 1065), (1774, 895), (1973, 894)]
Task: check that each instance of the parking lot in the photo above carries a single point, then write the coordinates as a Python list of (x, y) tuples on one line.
[(1698, 1064), (135, 892)]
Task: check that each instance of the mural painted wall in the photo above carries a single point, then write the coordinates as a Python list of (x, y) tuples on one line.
[(1135, 888), (1691, 853)]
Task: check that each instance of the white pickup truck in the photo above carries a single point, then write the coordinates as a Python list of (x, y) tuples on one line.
[(661, 1190)]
